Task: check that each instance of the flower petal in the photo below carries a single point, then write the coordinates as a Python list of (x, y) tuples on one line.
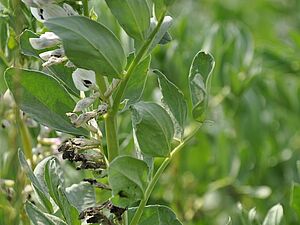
[(83, 79), (46, 40)]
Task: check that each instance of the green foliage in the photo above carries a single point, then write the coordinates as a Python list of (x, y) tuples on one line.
[(32, 89), (128, 178), (156, 214), (199, 80), (153, 129), (107, 142), (133, 16), (85, 38)]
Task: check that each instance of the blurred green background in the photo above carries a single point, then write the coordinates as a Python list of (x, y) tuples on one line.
[(246, 154)]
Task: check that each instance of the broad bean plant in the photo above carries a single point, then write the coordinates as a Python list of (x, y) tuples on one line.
[(81, 82)]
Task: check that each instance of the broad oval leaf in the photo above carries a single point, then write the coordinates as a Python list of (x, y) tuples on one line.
[(173, 98), (128, 178), (38, 217), (132, 15), (89, 45), (43, 98), (156, 214), (274, 215), (136, 84), (199, 81), (153, 129)]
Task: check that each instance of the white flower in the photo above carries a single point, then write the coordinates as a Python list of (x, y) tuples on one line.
[(58, 53), (46, 40), (84, 80), (47, 12)]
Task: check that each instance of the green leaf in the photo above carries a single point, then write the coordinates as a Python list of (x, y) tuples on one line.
[(128, 178), (62, 73), (153, 129), (132, 15), (39, 172), (25, 45), (55, 183), (90, 45), (295, 198), (38, 187), (54, 179), (156, 214), (274, 215), (199, 81), (81, 195), (173, 98), (42, 98), (137, 81), (38, 217)]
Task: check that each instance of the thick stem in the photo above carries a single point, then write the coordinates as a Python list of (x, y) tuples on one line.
[(133, 65), (157, 175), (85, 8), (111, 137)]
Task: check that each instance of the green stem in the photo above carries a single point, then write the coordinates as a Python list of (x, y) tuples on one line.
[(25, 137), (157, 175), (85, 8), (133, 65), (111, 137)]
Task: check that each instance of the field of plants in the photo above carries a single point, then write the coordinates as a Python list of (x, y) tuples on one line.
[(150, 112)]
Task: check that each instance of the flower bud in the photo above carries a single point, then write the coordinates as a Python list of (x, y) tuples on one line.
[(83, 104), (47, 12)]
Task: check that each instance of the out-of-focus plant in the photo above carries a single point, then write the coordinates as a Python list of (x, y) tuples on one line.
[(72, 87)]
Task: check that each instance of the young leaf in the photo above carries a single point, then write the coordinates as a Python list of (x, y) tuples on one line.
[(173, 98), (32, 93), (199, 81), (89, 45), (38, 187), (156, 214), (137, 81), (132, 15), (128, 178), (38, 217), (153, 129), (162, 32), (81, 195), (274, 215)]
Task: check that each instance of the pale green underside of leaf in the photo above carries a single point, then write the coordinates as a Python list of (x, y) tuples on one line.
[(153, 129), (173, 98)]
